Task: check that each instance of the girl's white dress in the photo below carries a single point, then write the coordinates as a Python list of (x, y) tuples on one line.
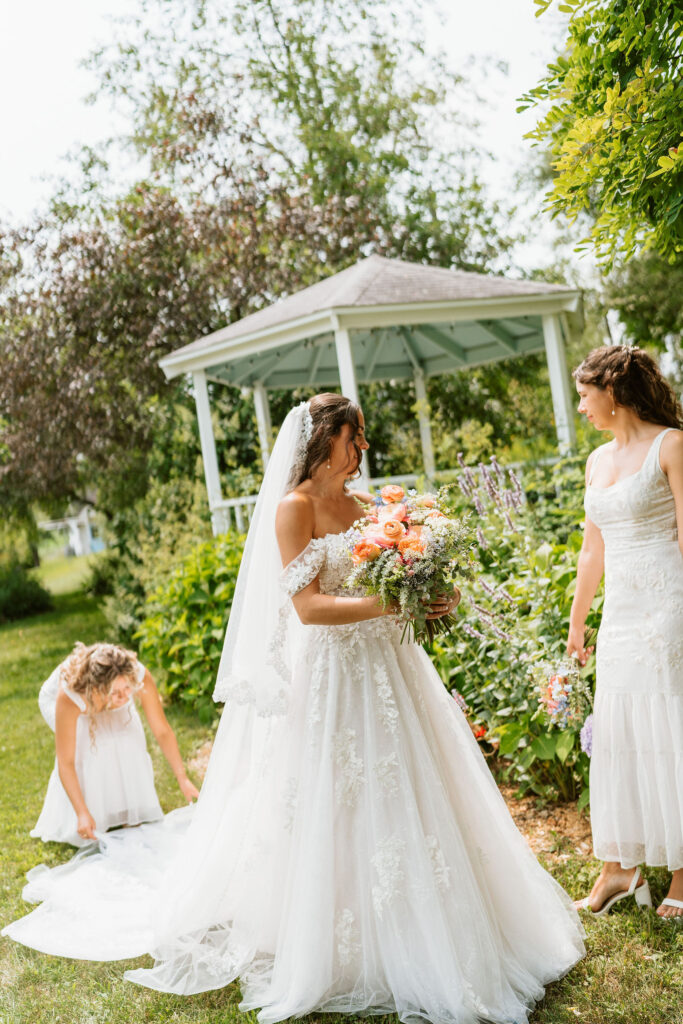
[(636, 776), (352, 855), (113, 767)]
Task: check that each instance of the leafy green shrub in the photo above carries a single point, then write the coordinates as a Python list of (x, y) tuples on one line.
[(20, 594), (149, 541), (183, 634), (516, 614)]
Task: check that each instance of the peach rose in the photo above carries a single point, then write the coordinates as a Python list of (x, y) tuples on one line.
[(377, 536), (392, 529), (425, 501), (365, 551), (411, 544), (435, 515), (396, 510), (392, 493)]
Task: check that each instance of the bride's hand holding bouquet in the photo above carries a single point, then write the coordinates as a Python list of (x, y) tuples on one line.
[(410, 553)]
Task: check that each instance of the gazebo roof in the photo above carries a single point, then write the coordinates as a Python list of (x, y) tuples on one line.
[(400, 317)]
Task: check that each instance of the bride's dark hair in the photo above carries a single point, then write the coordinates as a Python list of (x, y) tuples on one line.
[(329, 413), (635, 380)]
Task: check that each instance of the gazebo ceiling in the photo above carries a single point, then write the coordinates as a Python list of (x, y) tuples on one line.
[(401, 317), (390, 353)]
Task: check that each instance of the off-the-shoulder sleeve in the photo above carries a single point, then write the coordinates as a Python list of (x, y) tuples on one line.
[(303, 569), (140, 672)]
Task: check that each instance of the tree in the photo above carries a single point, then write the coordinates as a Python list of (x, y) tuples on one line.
[(275, 157), (613, 123)]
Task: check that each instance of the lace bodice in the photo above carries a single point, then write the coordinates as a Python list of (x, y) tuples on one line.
[(637, 510), (328, 558)]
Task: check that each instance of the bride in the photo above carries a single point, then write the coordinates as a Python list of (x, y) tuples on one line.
[(350, 850)]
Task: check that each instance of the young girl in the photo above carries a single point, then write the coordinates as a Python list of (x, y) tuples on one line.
[(103, 774)]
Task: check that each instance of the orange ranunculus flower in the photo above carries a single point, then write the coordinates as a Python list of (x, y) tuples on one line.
[(392, 529), (411, 544), (425, 501), (435, 515), (365, 551), (394, 510), (392, 493)]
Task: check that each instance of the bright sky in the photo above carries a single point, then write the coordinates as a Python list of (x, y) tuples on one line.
[(43, 42)]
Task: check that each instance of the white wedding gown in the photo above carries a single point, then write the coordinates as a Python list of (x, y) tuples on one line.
[(352, 855)]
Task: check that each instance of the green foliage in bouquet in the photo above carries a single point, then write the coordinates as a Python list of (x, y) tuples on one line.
[(514, 617), (183, 635)]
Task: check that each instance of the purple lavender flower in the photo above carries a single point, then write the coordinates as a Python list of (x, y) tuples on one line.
[(478, 505), (461, 461), (509, 521), (491, 591), (586, 736), (481, 539), (464, 487), (459, 700), (497, 468), (471, 631)]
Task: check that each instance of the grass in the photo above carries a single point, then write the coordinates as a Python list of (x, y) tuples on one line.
[(62, 574), (631, 974)]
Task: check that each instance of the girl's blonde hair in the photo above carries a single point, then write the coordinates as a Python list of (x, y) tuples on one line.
[(93, 669)]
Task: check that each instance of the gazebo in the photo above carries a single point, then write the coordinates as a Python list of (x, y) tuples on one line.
[(381, 319)]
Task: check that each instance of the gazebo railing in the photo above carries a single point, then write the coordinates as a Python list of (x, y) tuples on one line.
[(236, 512)]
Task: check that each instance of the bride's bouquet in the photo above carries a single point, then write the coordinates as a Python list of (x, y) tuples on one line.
[(411, 553)]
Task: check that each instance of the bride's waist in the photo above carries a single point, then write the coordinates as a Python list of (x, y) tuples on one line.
[(387, 627)]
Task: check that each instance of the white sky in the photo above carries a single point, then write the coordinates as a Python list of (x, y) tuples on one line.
[(44, 116)]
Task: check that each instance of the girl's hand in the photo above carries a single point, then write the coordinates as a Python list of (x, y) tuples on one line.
[(575, 644), (444, 606), (86, 825), (188, 789)]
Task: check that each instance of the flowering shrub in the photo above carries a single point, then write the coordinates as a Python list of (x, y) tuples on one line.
[(514, 616)]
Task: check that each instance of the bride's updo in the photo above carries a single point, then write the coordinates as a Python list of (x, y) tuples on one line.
[(635, 380), (329, 413)]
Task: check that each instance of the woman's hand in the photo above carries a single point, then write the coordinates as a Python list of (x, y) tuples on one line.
[(445, 605), (188, 789), (575, 644), (86, 825)]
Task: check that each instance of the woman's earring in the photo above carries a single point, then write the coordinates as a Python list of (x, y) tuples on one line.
[(328, 461), (613, 412)]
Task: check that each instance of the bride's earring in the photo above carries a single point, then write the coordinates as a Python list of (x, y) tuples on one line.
[(613, 413), (330, 467)]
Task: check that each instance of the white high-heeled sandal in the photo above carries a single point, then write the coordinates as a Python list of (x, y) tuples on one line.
[(641, 893), (669, 901)]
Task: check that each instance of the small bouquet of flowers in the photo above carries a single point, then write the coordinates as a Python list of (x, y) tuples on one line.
[(410, 553), (563, 694)]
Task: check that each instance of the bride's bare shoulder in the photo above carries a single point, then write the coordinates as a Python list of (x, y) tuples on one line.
[(295, 509)]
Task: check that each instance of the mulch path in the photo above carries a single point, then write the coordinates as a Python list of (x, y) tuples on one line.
[(556, 831)]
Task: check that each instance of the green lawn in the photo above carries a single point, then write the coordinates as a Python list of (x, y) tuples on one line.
[(63, 575), (632, 973)]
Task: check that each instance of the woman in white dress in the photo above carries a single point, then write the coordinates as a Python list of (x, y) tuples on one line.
[(350, 850), (634, 533), (103, 775)]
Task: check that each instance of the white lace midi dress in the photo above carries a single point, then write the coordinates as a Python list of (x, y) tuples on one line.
[(636, 774), (113, 766)]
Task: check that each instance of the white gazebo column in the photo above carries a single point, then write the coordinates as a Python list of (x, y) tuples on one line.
[(424, 423), (219, 522), (347, 380), (265, 429), (559, 383)]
